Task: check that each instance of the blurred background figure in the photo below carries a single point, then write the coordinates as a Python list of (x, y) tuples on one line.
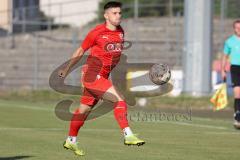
[(231, 50)]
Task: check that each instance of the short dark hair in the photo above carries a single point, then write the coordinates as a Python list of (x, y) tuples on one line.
[(112, 4), (235, 22)]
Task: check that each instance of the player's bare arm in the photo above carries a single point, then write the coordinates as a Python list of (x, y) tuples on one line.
[(223, 66), (77, 55)]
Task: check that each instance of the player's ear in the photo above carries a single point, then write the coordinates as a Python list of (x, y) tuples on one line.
[(105, 15)]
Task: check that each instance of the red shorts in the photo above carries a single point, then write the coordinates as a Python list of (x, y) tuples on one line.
[(94, 90)]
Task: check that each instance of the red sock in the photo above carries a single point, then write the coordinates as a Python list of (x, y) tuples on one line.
[(77, 122), (120, 113)]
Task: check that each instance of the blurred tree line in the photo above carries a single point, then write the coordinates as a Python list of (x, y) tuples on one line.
[(156, 8), (148, 8), (231, 8)]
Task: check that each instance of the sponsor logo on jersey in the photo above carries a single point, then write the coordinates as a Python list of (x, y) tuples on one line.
[(114, 47)]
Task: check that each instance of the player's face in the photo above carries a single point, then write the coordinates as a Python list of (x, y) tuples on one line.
[(237, 29), (113, 16)]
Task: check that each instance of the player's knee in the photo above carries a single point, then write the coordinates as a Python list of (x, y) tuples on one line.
[(119, 98), (237, 96), (84, 109), (237, 92), (113, 95)]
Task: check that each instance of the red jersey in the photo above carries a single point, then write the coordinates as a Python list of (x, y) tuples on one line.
[(106, 46)]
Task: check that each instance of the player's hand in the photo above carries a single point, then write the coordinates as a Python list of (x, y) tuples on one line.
[(223, 75), (62, 73)]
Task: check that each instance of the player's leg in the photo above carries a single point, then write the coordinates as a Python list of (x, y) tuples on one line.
[(236, 91), (235, 73), (120, 113), (112, 94), (120, 108), (77, 121)]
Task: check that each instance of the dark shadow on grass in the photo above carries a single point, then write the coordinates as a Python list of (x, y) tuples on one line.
[(14, 157)]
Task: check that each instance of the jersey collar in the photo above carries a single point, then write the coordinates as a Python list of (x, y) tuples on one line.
[(117, 29)]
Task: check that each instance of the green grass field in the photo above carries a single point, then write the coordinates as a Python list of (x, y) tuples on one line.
[(30, 130)]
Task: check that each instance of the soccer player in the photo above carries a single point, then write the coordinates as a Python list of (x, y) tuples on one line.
[(106, 41), (232, 50)]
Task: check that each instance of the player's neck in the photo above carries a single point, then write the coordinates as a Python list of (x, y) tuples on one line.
[(110, 26)]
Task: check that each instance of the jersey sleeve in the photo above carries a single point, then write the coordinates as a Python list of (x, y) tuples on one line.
[(89, 41), (226, 48)]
